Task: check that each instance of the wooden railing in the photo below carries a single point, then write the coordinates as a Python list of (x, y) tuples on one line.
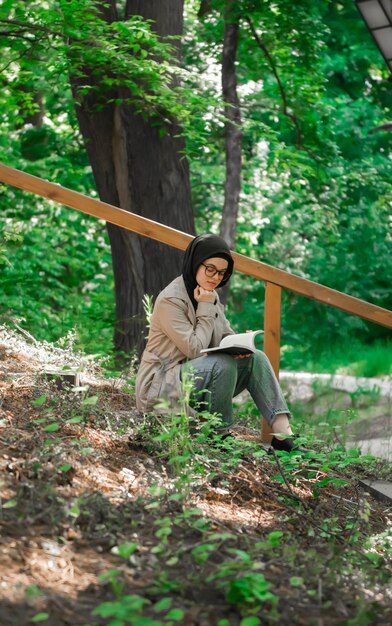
[(274, 278)]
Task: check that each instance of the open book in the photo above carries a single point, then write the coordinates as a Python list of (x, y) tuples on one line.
[(242, 343)]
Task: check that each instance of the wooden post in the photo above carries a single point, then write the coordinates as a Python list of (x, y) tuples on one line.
[(272, 317)]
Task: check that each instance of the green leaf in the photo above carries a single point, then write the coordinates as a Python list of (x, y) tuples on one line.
[(75, 420), (10, 504), (176, 497), (202, 552), (74, 510), (51, 428), (155, 504), (175, 614), (109, 575), (38, 402), (123, 608), (275, 537), (250, 621), (241, 554), (157, 491), (194, 511), (221, 536), (162, 605), (125, 549), (40, 617), (331, 480), (33, 591), (90, 401), (66, 467), (163, 533)]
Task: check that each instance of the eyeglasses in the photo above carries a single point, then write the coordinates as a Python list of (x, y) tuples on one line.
[(211, 271)]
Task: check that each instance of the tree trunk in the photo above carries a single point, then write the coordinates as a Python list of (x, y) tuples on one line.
[(233, 131), (140, 171)]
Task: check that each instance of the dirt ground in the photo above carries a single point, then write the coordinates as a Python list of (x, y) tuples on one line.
[(72, 493)]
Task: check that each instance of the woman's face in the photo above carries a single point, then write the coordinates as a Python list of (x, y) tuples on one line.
[(208, 266)]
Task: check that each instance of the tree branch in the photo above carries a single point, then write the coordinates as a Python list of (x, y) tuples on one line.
[(11, 33), (15, 59), (26, 26), (271, 62)]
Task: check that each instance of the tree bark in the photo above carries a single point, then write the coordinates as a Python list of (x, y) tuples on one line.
[(233, 130), (140, 171)]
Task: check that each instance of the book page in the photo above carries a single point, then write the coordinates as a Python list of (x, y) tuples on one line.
[(244, 340), (241, 343)]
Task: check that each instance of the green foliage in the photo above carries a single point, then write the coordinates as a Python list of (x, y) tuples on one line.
[(316, 189), (316, 182), (57, 277), (250, 590), (127, 609), (350, 356), (56, 263)]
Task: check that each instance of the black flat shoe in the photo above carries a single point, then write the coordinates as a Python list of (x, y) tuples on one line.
[(288, 445)]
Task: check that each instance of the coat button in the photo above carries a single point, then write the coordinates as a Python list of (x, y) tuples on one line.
[(216, 314)]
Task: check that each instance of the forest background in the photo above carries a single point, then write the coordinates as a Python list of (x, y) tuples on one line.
[(310, 91)]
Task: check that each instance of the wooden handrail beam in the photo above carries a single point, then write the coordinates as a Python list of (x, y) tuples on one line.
[(96, 208), (313, 291), (178, 239)]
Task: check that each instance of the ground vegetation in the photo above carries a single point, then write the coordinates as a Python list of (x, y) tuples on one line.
[(109, 520)]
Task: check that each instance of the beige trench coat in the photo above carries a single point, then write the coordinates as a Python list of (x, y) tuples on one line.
[(177, 334)]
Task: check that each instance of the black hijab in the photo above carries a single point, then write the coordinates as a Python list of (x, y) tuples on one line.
[(202, 248)]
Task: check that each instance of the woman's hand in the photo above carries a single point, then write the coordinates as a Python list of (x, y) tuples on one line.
[(243, 356), (202, 295)]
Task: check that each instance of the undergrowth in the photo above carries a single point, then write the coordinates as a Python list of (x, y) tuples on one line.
[(226, 534)]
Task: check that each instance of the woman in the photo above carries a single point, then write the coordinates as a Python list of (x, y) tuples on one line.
[(188, 317)]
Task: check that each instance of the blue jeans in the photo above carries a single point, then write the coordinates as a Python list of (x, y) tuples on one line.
[(218, 378)]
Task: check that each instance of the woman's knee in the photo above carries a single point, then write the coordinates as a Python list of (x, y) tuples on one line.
[(225, 366), (260, 358), (213, 369)]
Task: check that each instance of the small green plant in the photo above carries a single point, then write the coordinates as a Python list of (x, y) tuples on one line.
[(250, 591), (173, 430), (128, 609), (242, 585), (113, 578)]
